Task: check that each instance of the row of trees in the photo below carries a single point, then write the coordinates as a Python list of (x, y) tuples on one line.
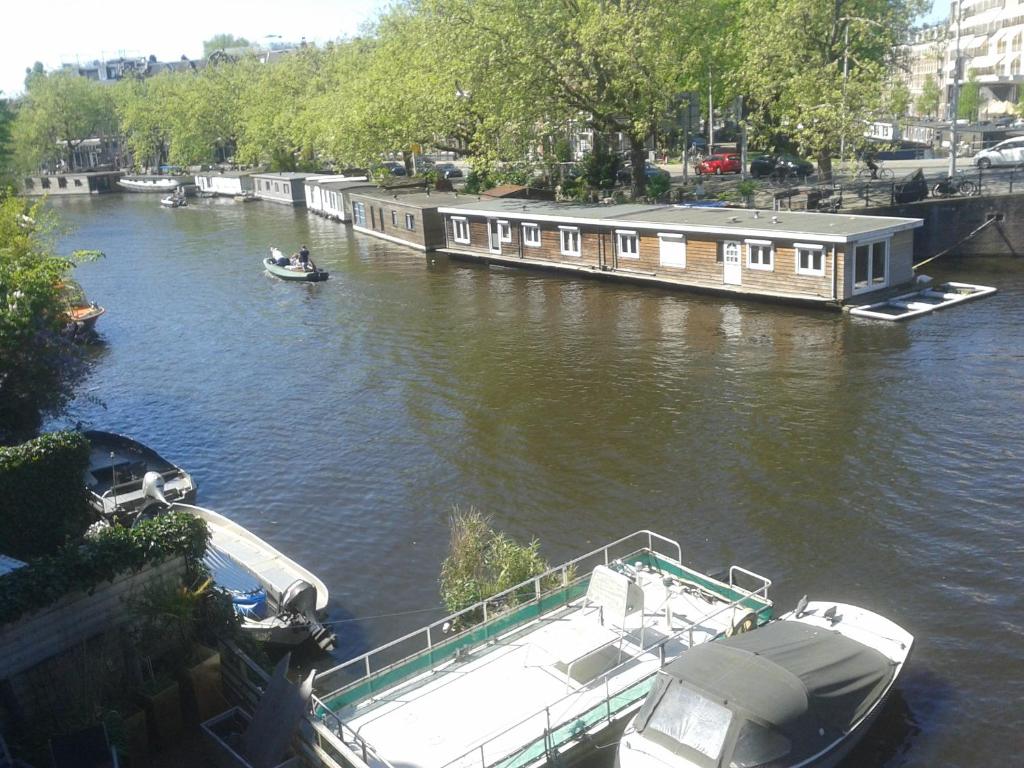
[(500, 81)]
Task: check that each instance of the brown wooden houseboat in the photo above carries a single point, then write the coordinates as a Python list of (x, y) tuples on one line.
[(797, 256), (408, 217)]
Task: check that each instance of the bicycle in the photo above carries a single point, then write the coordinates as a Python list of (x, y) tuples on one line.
[(881, 172), (957, 185)]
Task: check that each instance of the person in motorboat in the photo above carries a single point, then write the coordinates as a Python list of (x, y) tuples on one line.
[(304, 258), (281, 260)]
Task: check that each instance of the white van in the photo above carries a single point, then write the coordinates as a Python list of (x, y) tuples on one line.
[(1006, 152)]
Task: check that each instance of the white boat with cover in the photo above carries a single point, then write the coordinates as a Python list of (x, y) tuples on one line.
[(278, 600), (797, 693), (541, 673)]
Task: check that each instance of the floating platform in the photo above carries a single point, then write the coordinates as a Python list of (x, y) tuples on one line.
[(921, 302)]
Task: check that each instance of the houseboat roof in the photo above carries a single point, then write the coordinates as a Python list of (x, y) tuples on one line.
[(290, 176), (228, 174), (322, 179), (412, 199), (742, 222), (339, 183)]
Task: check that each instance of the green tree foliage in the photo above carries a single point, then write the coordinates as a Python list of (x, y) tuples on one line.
[(613, 65), (6, 118), (79, 566), (58, 112), (38, 364), (483, 562), (791, 63), (222, 42), (931, 95), (44, 496), (969, 103)]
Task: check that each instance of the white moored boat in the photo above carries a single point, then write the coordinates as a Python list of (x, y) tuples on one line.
[(798, 692), (278, 600), (922, 301), (149, 183), (544, 672)]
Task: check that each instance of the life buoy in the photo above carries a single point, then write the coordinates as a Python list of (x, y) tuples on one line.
[(742, 622)]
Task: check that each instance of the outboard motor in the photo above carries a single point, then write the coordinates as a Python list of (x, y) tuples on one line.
[(300, 598), (153, 487), (156, 502)]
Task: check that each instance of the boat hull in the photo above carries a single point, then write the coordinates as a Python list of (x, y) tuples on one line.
[(285, 273), (148, 185)]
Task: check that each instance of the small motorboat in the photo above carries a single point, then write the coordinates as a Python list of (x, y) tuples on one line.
[(174, 200), (80, 312), (799, 691), (278, 601), (245, 197), (117, 467), (281, 266)]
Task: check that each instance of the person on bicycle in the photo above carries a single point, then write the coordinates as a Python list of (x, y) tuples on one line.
[(869, 161)]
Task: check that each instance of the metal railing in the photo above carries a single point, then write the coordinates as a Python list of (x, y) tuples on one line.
[(436, 645)]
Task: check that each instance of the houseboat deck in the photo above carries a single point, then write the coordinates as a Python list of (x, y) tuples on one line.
[(531, 680)]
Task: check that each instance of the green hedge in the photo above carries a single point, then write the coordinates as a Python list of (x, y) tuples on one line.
[(82, 566), (43, 501)]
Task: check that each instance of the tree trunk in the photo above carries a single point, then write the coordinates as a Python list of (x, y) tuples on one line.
[(638, 159), (824, 165)]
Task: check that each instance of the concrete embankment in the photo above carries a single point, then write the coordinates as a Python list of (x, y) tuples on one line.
[(986, 225)]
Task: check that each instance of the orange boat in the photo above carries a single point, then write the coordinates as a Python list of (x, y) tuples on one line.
[(82, 312)]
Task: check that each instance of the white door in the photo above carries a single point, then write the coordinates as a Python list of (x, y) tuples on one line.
[(732, 267), (673, 250), (494, 235)]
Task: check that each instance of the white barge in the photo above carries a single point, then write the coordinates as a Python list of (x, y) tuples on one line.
[(551, 669)]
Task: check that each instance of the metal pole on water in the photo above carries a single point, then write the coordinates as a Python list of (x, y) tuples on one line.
[(113, 479), (954, 104)]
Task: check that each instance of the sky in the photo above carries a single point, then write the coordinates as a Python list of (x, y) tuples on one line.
[(66, 31)]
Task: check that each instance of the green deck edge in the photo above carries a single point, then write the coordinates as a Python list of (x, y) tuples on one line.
[(481, 633)]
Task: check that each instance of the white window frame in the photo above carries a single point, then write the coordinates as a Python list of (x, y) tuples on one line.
[(504, 231), (809, 271), (623, 239), (531, 235), (675, 237), (872, 284), (410, 222), (460, 229), (394, 217), (359, 213), (751, 264), (566, 236)]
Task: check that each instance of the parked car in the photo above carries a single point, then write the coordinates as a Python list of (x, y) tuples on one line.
[(394, 168), (1006, 152), (625, 174), (780, 164), (719, 164), (448, 170)]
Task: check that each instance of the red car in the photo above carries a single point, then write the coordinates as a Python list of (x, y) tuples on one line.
[(719, 164)]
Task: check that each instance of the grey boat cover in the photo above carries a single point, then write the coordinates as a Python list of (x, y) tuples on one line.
[(809, 684)]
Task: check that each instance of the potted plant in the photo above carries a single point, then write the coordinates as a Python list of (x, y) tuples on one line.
[(746, 190)]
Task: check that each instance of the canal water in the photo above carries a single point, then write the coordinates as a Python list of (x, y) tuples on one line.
[(873, 463)]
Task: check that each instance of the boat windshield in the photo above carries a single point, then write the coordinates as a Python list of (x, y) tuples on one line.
[(688, 718), (757, 745)]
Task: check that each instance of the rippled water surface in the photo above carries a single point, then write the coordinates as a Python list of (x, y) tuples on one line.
[(873, 463)]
